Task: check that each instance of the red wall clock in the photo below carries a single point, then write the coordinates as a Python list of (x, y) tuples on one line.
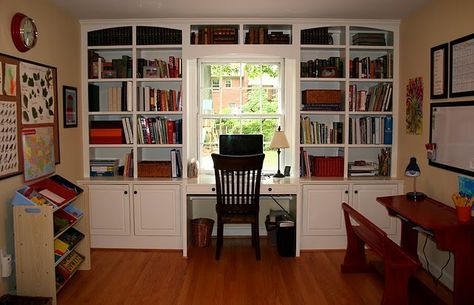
[(24, 32)]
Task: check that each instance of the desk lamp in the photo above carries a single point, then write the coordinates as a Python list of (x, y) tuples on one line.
[(279, 141), (413, 170)]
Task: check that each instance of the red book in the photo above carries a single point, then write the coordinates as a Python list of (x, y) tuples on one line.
[(170, 126)]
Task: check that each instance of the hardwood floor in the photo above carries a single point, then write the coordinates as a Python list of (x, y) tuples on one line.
[(129, 277)]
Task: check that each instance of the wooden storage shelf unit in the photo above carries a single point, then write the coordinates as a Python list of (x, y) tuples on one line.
[(46, 213), (348, 85), (135, 102)]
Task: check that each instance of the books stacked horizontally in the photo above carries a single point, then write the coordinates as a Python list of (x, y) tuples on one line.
[(363, 168), (104, 167), (369, 39)]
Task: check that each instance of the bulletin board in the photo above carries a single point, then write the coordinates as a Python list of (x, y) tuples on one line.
[(451, 131), (28, 99)]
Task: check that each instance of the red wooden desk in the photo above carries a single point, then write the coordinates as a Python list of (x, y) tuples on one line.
[(447, 232)]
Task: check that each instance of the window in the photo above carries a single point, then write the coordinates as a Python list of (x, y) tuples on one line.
[(249, 103)]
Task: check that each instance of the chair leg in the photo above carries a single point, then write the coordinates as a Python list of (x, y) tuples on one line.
[(220, 237), (256, 239)]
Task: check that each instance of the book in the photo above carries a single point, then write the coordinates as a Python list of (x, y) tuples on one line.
[(388, 130), (94, 100)]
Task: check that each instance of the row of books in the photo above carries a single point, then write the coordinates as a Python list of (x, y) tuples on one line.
[(110, 36), (369, 39), (377, 98), (321, 166), (371, 130), (159, 130), (215, 35), (104, 167), (119, 98), (153, 99), (330, 67), (380, 67), (261, 35), (316, 36), (99, 67), (160, 68), (151, 35), (313, 132), (176, 163)]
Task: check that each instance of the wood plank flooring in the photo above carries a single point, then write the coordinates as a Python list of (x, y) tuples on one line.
[(132, 277)]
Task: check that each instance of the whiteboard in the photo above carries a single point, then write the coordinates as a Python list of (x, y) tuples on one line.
[(452, 130)]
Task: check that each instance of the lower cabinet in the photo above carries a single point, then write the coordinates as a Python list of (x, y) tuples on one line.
[(322, 218), (134, 215)]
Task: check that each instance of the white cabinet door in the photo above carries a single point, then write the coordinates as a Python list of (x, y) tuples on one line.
[(156, 209), (322, 212), (109, 209), (364, 200)]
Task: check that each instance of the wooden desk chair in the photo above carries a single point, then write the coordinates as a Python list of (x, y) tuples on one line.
[(238, 194)]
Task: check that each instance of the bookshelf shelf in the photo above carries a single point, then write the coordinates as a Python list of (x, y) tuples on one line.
[(361, 66), (152, 63)]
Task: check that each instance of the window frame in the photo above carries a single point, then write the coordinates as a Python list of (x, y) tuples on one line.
[(280, 115)]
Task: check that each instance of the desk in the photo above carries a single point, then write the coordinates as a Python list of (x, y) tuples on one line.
[(204, 185), (447, 232)]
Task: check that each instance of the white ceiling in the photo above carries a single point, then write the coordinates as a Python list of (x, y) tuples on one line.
[(134, 9)]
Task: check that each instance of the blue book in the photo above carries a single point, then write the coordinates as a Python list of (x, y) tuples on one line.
[(387, 130)]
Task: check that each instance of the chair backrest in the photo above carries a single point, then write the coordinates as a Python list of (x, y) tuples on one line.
[(238, 182)]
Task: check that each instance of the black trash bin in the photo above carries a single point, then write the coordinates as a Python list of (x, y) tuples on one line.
[(286, 238)]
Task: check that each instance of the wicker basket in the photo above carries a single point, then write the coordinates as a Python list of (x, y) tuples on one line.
[(202, 231), (154, 169)]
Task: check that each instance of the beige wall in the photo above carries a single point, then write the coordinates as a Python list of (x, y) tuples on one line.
[(59, 46), (435, 24)]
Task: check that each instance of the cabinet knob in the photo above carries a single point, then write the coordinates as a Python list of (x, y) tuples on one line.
[(270, 189), (213, 189), (346, 192), (125, 192), (356, 191), (135, 192)]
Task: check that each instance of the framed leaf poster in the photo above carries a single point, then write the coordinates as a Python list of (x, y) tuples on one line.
[(28, 99), (39, 98)]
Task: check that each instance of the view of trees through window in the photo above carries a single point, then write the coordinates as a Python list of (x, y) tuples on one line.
[(239, 98)]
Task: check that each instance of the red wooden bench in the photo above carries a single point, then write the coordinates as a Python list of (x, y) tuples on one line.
[(398, 265)]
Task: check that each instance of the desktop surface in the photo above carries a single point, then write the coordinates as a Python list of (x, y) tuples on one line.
[(205, 184)]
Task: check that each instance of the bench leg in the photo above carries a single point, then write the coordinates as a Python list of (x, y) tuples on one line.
[(396, 285), (355, 259)]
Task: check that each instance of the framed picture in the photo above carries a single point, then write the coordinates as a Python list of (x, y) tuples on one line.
[(70, 106), (461, 59), (439, 72)]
